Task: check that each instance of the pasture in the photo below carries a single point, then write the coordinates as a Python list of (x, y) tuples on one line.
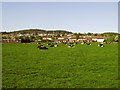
[(85, 66)]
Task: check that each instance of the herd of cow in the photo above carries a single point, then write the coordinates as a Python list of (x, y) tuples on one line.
[(70, 45)]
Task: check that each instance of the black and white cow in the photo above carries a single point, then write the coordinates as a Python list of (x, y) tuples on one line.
[(55, 45), (48, 44), (51, 45), (101, 45), (38, 43), (71, 45), (88, 43), (83, 43), (75, 43)]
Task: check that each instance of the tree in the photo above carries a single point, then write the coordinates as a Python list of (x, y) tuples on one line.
[(116, 38), (95, 34), (110, 39), (21, 37), (57, 35), (39, 37), (26, 37), (89, 34), (77, 36), (32, 37), (80, 34), (53, 39), (4, 37), (63, 33)]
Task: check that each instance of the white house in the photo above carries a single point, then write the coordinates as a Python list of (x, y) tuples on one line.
[(98, 40), (40, 34), (46, 38), (61, 38)]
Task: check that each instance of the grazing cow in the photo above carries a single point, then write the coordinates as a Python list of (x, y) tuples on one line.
[(48, 44), (38, 43), (66, 44), (75, 43), (101, 45), (71, 46), (88, 43), (52, 46), (42, 47), (83, 43), (55, 45)]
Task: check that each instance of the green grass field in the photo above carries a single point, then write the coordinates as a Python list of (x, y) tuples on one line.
[(85, 66)]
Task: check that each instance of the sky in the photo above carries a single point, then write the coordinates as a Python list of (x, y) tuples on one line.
[(80, 17)]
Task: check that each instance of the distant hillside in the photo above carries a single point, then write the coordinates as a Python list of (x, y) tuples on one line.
[(54, 32), (40, 31), (111, 33)]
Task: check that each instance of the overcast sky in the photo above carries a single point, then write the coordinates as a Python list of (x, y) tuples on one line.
[(76, 17)]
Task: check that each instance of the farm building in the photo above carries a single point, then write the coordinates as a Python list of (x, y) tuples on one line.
[(62, 38), (59, 41), (92, 38), (47, 38), (10, 41), (98, 39), (72, 40), (81, 39)]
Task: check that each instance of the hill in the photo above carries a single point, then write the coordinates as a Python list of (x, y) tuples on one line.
[(41, 31)]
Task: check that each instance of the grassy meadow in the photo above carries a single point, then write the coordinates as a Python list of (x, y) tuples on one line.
[(85, 66)]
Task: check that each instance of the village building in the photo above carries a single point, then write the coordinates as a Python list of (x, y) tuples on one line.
[(98, 39), (61, 38), (11, 41), (81, 39), (47, 38), (60, 41), (72, 39)]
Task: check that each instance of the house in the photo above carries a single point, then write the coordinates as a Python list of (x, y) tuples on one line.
[(61, 38), (81, 39), (98, 39), (47, 38), (72, 39), (92, 38), (40, 34), (60, 41), (19, 34), (11, 40)]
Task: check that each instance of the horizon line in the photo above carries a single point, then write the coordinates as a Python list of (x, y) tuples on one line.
[(58, 30)]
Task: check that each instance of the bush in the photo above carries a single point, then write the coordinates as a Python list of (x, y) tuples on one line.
[(110, 39)]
